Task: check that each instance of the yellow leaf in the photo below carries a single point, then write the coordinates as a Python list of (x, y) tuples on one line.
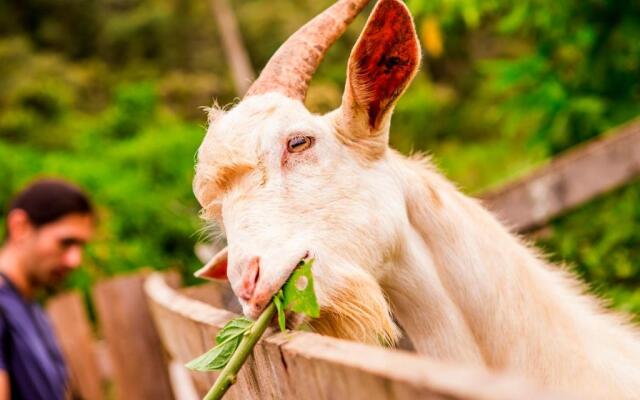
[(432, 36)]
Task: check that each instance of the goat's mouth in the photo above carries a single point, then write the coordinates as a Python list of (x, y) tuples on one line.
[(253, 307)]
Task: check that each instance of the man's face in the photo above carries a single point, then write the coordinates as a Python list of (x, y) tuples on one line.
[(55, 249)]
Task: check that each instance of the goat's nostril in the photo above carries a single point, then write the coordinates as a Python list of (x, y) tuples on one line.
[(254, 266), (250, 277)]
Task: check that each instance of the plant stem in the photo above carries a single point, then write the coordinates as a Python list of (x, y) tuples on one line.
[(228, 375)]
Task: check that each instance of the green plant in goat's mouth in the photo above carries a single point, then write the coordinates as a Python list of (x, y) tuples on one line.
[(237, 338)]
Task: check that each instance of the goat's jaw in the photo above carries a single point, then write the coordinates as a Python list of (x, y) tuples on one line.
[(355, 308), (358, 310)]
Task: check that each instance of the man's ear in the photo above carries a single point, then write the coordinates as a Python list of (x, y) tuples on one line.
[(382, 64), (18, 224), (216, 269)]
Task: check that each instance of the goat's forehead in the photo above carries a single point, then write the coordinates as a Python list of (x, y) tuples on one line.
[(244, 133), (261, 116)]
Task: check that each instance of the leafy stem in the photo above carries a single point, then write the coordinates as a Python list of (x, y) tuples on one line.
[(228, 375), (238, 337)]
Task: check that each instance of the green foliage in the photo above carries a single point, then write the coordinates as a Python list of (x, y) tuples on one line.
[(600, 240), (559, 74), (137, 166), (227, 341), (278, 300), (134, 105), (298, 294)]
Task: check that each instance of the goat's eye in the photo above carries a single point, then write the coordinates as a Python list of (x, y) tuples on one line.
[(299, 143)]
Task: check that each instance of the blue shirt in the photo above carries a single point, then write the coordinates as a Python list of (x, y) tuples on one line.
[(28, 349)]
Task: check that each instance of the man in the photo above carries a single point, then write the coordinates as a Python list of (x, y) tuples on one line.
[(47, 226)]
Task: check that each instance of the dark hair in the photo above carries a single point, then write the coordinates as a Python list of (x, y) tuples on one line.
[(47, 200)]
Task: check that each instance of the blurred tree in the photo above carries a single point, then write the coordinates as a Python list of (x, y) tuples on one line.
[(69, 26), (560, 73)]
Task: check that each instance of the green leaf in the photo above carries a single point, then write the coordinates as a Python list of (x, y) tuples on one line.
[(234, 328), (216, 358), (228, 339), (278, 300), (298, 292)]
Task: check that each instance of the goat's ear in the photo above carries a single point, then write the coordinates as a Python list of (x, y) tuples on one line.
[(216, 268), (381, 66)]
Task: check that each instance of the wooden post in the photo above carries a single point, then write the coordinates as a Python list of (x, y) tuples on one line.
[(73, 330), (241, 70), (569, 180), (140, 369)]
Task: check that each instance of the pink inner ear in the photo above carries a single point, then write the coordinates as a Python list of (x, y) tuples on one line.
[(386, 57), (216, 268)]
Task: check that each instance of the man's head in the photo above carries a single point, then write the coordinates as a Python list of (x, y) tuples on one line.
[(47, 226)]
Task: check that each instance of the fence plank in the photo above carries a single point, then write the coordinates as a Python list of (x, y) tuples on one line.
[(215, 294), (140, 370), (181, 382), (300, 365), (185, 343), (73, 330), (569, 180)]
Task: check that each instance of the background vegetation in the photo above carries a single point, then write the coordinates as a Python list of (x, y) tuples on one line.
[(108, 94)]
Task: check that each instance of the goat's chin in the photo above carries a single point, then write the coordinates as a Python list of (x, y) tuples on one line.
[(359, 311)]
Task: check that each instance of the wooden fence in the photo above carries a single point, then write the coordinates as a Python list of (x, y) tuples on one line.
[(150, 328), (573, 178), (301, 365), (129, 363), (75, 335)]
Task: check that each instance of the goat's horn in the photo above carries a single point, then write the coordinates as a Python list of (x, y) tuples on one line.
[(290, 69)]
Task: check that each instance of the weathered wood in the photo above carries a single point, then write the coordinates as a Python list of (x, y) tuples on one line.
[(183, 388), (104, 359), (186, 341), (300, 365), (73, 330), (216, 294), (236, 53), (140, 370), (569, 180)]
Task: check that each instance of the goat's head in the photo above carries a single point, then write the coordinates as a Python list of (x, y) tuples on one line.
[(285, 184)]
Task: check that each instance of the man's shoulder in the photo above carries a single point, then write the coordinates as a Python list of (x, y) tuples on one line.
[(7, 295), (4, 295), (5, 289)]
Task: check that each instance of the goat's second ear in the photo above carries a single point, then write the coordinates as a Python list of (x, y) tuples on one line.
[(381, 66), (216, 268)]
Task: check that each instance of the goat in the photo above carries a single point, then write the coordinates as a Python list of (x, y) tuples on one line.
[(390, 236)]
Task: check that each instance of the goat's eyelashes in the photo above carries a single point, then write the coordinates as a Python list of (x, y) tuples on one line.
[(299, 143)]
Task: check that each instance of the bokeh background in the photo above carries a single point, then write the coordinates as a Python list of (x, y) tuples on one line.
[(108, 94)]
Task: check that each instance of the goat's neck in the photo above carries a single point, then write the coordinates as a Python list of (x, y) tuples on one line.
[(424, 309), (506, 296), (464, 277), (466, 287)]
